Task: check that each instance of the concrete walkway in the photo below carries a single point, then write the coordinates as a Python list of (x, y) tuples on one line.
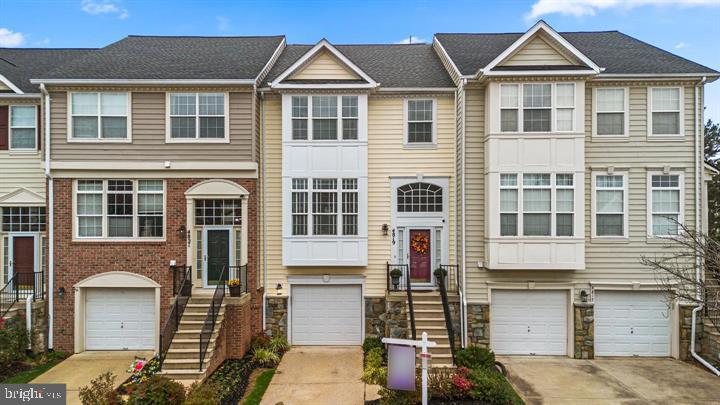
[(318, 375), (79, 369), (554, 380)]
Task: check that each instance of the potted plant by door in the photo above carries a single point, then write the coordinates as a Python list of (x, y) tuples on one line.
[(395, 275), (235, 287)]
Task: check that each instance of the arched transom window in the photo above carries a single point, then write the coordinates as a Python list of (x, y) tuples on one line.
[(419, 197)]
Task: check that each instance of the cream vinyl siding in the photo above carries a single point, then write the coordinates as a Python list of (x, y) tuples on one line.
[(386, 158), (324, 67), (537, 52), (616, 262), (22, 169), (148, 116)]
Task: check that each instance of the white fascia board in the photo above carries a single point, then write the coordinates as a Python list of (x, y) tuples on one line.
[(323, 44), (711, 77), (447, 56), (541, 25), (10, 85), (24, 95), (325, 86), (417, 89), (541, 73), (268, 66), (144, 81), (160, 165)]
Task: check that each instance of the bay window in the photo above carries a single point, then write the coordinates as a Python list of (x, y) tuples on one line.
[(665, 113), (610, 205), (324, 117), (324, 206), (99, 116), (665, 204), (197, 116), (23, 127), (539, 107), (610, 112)]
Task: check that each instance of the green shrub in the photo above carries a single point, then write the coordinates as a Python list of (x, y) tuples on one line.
[(393, 397), (158, 390), (259, 341), (492, 388), (476, 357), (101, 391), (371, 343), (375, 357), (265, 357), (202, 394), (231, 378), (14, 341), (279, 345)]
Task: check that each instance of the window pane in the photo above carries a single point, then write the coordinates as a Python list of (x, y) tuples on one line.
[(609, 201), (564, 179), (150, 226), (610, 100), (508, 120), (150, 185), (536, 224), (536, 120), (537, 95), (665, 201), (89, 204), (419, 197), (324, 106), (509, 96), (420, 110), (609, 181), (120, 226), (508, 179), (212, 103), (90, 226), (564, 118), (508, 224), (535, 200), (420, 132), (508, 200), (349, 106), (565, 96), (665, 224), (299, 129), (182, 127), (299, 107), (22, 116), (85, 103), (350, 128), (565, 201), (22, 138), (324, 129), (114, 127), (89, 185), (611, 124), (212, 127), (665, 123), (536, 179), (182, 104), (564, 225), (609, 225), (666, 99), (150, 204), (113, 104), (85, 127), (665, 181)]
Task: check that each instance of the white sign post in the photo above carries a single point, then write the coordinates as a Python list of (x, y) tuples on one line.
[(424, 355)]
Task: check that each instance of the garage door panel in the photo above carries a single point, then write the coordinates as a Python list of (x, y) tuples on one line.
[(326, 315), (120, 319)]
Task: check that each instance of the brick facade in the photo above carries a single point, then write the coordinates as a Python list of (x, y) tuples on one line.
[(75, 261)]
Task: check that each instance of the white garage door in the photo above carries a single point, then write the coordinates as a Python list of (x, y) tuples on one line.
[(631, 323), (326, 315), (528, 322), (120, 319)]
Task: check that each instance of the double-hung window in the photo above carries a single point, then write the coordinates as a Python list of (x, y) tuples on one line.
[(665, 114), (610, 205), (508, 204), (537, 204), (23, 127), (509, 96), (564, 204), (324, 117), (324, 206), (610, 114), (349, 206), (119, 208), (420, 122), (537, 107), (665, 202), (299, 207), (198, 116), (99, 116)]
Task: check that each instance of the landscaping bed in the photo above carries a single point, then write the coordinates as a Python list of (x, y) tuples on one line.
[(476, 380), (17, 364)]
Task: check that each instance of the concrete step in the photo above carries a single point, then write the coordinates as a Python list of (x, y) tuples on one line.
[(188, 353), (190, 343), (183, 375), (432, 306), (423, 322), (198, 316), (186, 364)]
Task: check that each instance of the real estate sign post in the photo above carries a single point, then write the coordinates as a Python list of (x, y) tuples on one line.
[(401, 363)]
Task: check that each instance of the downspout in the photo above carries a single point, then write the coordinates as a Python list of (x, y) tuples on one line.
[(264, 207), (51, 223), (463, 292), (698, 224)]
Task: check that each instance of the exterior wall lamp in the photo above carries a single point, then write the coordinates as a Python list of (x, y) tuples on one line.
[(385, 229), (182, 232), (583, 295), (278, 288)]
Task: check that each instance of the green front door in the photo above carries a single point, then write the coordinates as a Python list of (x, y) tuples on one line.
[(217, 251)]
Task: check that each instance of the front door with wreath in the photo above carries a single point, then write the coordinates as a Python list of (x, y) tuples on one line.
[(420, 256)]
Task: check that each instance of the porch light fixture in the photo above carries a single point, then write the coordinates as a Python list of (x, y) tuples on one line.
[(385, 229), (61, 292), (278, 288), (182, 232), (583, 296)]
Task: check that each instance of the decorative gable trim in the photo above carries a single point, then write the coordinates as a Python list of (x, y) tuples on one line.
[(530, 34), (319, 47), (22, 197), (4, 80)]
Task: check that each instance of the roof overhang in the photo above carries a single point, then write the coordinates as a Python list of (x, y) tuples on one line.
[(710, 77), (217, 82), (320, 46), (15, 95), (4, 80)]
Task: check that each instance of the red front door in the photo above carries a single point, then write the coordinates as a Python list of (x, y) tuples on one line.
[(420, 254), (24, 260)]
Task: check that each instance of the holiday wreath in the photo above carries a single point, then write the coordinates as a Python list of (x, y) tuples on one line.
[(420, 243)]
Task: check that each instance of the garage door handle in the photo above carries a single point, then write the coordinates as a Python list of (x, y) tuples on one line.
[(631, 331)]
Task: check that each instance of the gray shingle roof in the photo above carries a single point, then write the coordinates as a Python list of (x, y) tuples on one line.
[(151, 57), (613, 50), (19, 65), (415, 65)]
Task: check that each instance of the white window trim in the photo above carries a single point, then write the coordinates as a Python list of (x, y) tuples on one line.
[(128, 126), (516, 212), (310, 190), (553, 109), (681, 214), (681, 115), (419, 145), (197, 139), (626, 213), (104, 237), (626, 113), (360, 118), (10, 129)]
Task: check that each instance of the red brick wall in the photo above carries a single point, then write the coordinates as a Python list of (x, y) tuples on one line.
[(75, 261)]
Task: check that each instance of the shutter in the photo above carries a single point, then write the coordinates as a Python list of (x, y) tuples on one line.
[(38, 111), (4, 128)]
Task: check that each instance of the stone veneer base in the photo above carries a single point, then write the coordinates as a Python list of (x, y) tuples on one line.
[(584, 330)]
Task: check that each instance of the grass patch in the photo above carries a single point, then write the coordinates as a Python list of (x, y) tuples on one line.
[(39, 366), (261, 384)]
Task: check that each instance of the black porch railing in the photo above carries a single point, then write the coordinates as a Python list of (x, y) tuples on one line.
[(20, 287), (444, 282), (182, 287), (239, 273), (212, 314), (398, 279), (452, 282)]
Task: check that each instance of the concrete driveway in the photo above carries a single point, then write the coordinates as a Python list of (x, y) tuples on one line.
[(554, 380), (79, 369), (318, 375)]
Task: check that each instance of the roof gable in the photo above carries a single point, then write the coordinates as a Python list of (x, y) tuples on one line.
[(324, 66), (21, 197)]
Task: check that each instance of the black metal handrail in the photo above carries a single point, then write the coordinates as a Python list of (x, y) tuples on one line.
[(239, 273), (441, 273), (20, 287), (182, 287), (398, 279), (211, 317), (452, 282)]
